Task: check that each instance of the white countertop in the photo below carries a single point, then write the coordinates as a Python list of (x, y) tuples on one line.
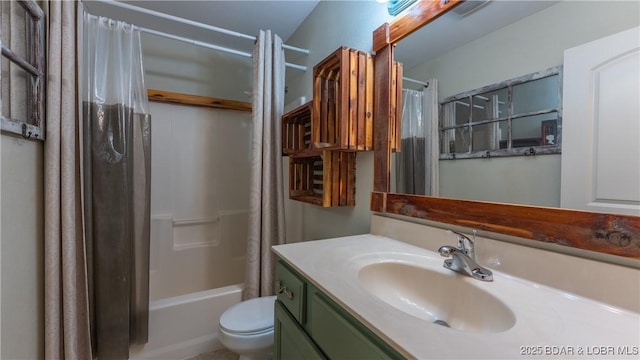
[(549, 322)]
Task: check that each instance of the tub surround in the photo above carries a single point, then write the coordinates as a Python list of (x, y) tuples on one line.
[(577, 311)]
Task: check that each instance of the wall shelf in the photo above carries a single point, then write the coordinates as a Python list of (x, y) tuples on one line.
[(343, 101), (323, 177), (322, 136), (296, 130)]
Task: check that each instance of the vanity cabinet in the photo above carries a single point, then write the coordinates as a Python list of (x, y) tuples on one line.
[(291, 341), (310, 325)]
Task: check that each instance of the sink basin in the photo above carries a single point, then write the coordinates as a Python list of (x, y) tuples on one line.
[(447, 299)]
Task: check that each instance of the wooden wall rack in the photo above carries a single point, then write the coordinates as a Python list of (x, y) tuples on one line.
[(322, 137), (196, 100), (343, 101), (296, 130), (323, 177)]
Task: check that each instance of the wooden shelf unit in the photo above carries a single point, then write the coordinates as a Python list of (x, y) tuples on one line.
[(323, 177), (343, 101), (322, 137), (296, 130)]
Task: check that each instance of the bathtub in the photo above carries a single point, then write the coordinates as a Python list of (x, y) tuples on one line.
[(186, 325)]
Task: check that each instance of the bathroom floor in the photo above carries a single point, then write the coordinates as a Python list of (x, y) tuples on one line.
[(221, 354)]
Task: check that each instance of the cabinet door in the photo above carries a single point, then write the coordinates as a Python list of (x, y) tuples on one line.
[(291, 342), (340, 337), (601, 125)]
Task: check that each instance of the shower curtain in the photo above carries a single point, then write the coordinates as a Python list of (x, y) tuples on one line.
[(116, 158), (410, 163), (417, 163), (266, 196), (66, 308)]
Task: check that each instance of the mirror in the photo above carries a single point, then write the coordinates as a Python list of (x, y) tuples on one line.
[(486, 46), (599, 232)]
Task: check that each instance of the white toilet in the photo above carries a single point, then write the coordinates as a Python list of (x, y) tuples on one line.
[(246, 328)]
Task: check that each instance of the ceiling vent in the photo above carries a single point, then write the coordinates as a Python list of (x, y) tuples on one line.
[(468, 7)]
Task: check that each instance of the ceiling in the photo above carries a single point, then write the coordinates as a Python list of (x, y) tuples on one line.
[(284, 17)]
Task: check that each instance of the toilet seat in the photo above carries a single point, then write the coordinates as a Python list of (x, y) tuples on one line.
[(249, 317)]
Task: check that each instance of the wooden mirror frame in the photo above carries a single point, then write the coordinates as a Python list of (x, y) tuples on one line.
[(599, 232)]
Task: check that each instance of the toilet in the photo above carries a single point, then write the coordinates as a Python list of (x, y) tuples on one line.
[(246, 328)]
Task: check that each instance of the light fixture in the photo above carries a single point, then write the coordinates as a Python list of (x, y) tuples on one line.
[(395, 7)]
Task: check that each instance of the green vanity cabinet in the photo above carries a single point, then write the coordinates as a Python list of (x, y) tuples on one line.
[(291, 342), (310, 325)]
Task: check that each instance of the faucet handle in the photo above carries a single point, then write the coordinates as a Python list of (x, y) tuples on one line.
[(465, 244)]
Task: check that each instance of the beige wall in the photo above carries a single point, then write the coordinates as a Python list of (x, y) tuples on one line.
[(330, 25), (529, 45), (21, 237)]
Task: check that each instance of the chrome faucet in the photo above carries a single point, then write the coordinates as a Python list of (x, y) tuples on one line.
[(463, 258)]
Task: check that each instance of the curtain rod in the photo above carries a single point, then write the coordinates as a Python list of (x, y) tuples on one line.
[(210, 46), (203, 44), (192, 23), (425, 84)]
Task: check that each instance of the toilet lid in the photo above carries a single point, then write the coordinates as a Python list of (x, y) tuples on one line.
[(249, 316)]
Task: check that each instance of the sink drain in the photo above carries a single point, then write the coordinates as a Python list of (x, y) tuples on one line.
[(442, 322)]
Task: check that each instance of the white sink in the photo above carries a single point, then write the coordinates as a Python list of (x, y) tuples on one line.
[(398, 291), (443, 298)]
